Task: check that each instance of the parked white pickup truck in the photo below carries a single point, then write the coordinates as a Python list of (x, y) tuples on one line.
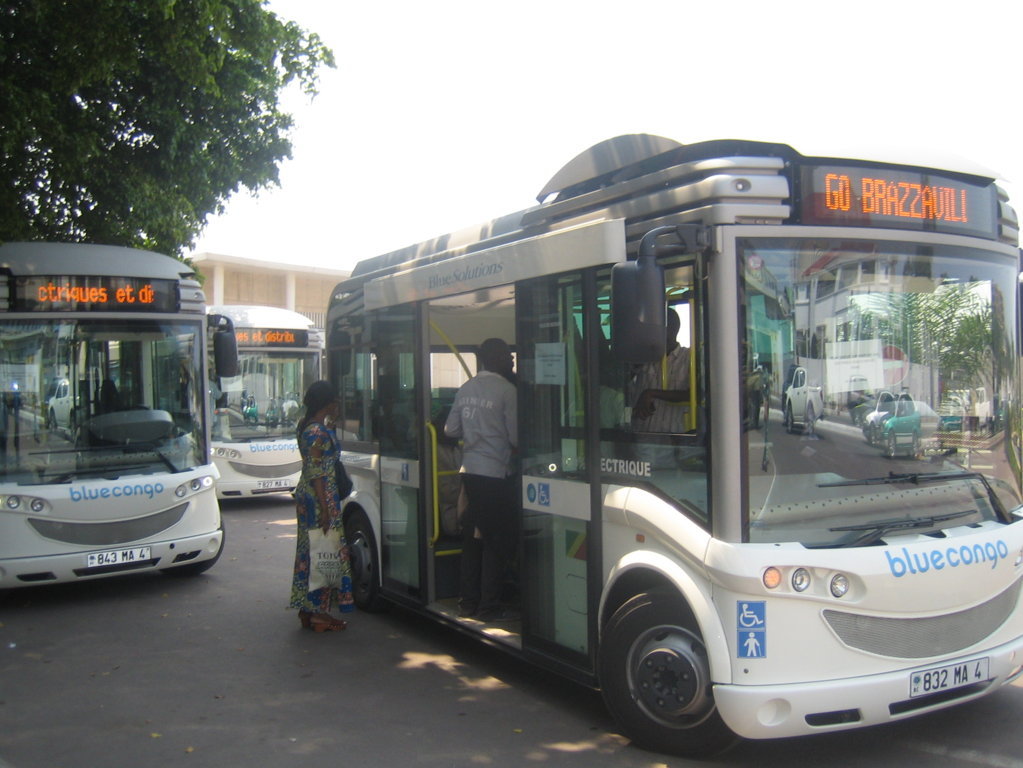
[(802, 402)]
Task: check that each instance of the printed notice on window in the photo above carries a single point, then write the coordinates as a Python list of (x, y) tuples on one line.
[(550, 363)]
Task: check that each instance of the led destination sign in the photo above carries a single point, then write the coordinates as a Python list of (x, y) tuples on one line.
[(863, 197), (94, 293), (271, 337)]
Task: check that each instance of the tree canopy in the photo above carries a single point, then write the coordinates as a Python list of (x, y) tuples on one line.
[(128, 122)]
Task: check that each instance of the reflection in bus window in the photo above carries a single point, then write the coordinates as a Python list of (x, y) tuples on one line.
[(886, 361), (120, 398)]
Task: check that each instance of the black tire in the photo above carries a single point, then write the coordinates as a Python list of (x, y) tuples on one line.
[(810, 425), (790, 424), (874, 437), (194, 569), (365, 563), (655, 678)]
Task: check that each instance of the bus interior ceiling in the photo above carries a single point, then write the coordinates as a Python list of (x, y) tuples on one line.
[(466, 320)]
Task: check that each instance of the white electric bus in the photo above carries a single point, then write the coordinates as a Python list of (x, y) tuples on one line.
[(104, 417), (771, 567), (279, 356)]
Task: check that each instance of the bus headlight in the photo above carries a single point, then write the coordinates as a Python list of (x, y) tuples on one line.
[(15, 502), (800, 579), (839, 585), (194, 485)]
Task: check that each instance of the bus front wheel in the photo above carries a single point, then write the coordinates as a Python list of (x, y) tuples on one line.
[(655, 678)]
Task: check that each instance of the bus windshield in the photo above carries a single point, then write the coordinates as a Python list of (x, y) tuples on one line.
[(263, 402), (877, 388), (100, 399)]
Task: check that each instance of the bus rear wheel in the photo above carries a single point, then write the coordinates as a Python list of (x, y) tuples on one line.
[(655, 678), (365, 564)]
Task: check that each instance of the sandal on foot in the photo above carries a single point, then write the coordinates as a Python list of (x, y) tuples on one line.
[(323, 623)]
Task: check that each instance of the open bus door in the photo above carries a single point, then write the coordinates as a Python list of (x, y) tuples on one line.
[(396, 417)]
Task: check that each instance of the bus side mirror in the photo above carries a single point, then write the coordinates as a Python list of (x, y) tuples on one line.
[(225, 346), (225, 353), (638, 304), (638, 311)]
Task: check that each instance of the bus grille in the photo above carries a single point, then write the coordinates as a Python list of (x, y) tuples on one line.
[(102, 534), (920, 638), (267, 470)]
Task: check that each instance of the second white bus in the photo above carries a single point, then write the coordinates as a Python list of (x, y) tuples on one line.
[(256, 412)]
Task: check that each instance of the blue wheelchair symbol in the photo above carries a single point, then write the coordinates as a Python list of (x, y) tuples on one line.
[(751, 614), (544, 498)]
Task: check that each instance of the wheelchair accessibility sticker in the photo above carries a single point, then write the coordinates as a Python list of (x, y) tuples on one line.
[(751, 625), (539, 493)]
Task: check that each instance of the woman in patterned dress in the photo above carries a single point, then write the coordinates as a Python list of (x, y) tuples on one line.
[(318, 505)]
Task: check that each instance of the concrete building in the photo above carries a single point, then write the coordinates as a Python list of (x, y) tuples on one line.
[(237, 280)]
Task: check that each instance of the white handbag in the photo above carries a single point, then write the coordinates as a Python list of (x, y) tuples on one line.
[(324, 559)]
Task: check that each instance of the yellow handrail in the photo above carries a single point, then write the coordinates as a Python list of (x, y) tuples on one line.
[(690, 417), (436, 475), (451, 345), (435, 483), (435, 472)]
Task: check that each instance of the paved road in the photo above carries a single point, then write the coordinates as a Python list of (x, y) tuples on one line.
[(213, 671)]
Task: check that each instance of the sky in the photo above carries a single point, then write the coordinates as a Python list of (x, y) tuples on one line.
[(444, 114)]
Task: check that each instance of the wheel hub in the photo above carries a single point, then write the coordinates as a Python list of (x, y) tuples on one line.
[(670, 676)]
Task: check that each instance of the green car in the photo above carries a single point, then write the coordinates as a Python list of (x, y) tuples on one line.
[(894, 425)]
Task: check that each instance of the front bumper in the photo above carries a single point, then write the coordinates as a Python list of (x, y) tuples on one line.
[(780, 711), (54, 569)]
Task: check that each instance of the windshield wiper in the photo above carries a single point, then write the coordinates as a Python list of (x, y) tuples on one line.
[(916, 478), (878, 529), (907, 477)]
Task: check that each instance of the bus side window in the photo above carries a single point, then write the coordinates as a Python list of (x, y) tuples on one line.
[(356, 390), (353, 363)]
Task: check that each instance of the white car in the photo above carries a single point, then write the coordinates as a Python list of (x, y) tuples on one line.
[(803, 402), (60, 405)]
